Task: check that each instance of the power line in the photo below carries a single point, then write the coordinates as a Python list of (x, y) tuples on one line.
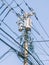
[(17, 52), (17, 5), (4, 54), (21, 46), (3, 10), (37, 19), (31, 9), (9, 4), (6, 14), (43, 39), (17, 14), (2, 5), (41, 46), (9, 28), (8, 39)]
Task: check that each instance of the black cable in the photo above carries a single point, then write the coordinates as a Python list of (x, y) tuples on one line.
[(17, 14), (42, 27), (8, 39), (41, 46), (17, 6), (3, 10), (37, 19), (41, 41), (17, 52), (10, 3), (2, 5), (38, 57), (6, 14), (5, 54), (20, 45), (35, 30), (9, 28), (31, 9)]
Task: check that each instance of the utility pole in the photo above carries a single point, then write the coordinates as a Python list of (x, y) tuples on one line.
[(26, 47), (26, 28)]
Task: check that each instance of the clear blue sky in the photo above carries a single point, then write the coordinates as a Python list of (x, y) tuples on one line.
[(41, 8)]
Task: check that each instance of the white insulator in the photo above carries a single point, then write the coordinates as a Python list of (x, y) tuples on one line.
[(20, 27), (27, 24)]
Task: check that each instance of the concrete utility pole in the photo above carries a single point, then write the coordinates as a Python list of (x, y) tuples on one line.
[(26, 47), (25, 27)]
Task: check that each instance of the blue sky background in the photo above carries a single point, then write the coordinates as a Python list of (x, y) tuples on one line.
[(41, 7)]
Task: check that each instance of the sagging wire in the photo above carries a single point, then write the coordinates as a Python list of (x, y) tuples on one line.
[(15, 6), (35, 30), (31, 9), (16, 51), (19, 7), (3, 10), (5, 54), (6, 14), (43, 39), (37, 57), (20, 45), (8, 39), (2, 5), (9, 28), (37, 20), (17, 14), (41, 46), (9, 4)]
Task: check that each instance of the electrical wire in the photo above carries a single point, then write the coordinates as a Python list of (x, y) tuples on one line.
[(19, 5), (9, 28), (10, 3), (6, 14), (3, 10), (10, 46), (41, 41), (5, 54), (20, 45), (2, 5), (35, 30), (16, 4), (8, 39), (37, 20), (41, 47), (31, 9), (17, 14), (18, 53)]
